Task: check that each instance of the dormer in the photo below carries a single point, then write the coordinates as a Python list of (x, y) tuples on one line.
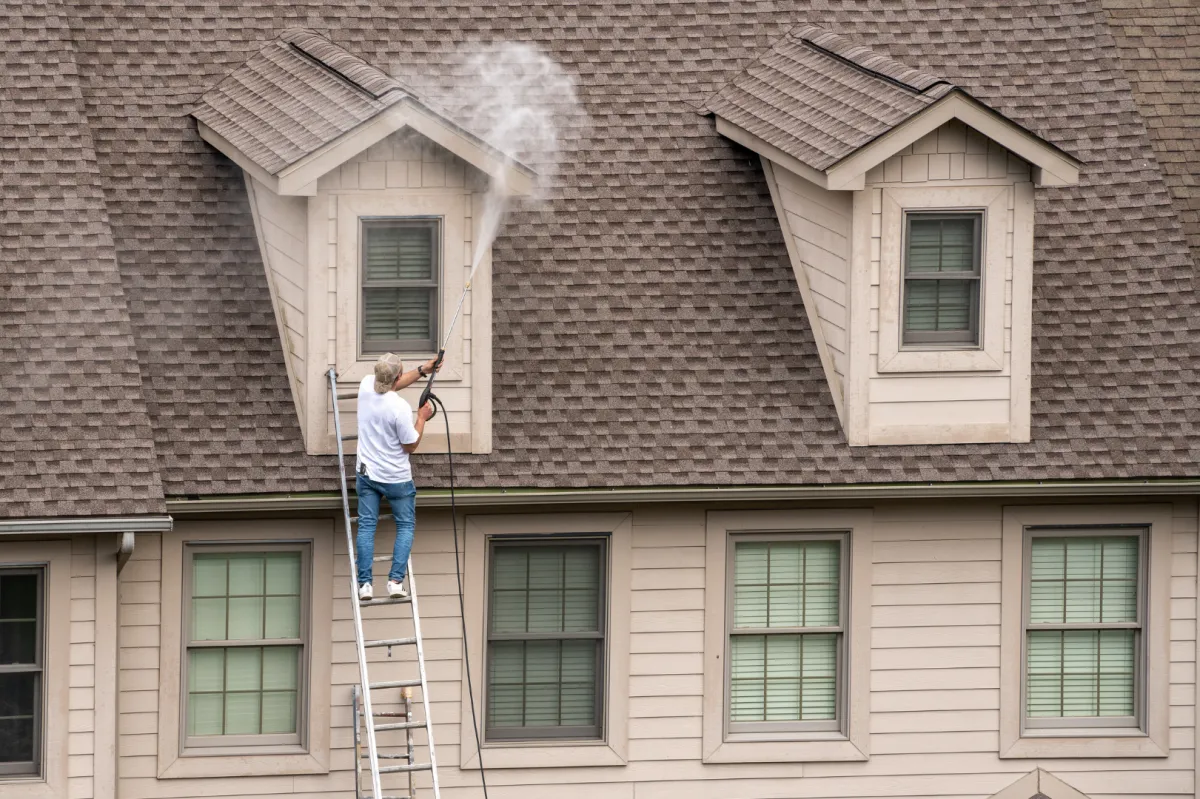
[(907, 209), (367, 202)]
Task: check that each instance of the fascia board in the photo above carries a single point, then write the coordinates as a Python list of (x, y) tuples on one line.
[(238, 157), (1056, 167), (757, 144)]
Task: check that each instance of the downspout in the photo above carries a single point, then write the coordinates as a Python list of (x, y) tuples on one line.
[(124, 550)]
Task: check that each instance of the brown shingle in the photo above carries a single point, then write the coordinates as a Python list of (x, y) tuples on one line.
[(75, 438), (656, 260)]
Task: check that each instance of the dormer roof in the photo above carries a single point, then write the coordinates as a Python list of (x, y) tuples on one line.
[(303, 105), (830, 109)]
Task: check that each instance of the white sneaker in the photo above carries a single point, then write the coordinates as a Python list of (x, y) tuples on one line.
[(365, 592), (396, 590)]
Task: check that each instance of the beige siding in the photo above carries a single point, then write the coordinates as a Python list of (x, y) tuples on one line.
[(283, 235), (968, 406), (819, 224), (934, 684), (81, 743)]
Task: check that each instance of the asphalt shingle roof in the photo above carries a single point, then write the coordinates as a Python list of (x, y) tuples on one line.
[(655, 263), (819, 97), (75, 436)]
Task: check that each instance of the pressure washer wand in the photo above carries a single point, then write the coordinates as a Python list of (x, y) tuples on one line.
[(428, 392)]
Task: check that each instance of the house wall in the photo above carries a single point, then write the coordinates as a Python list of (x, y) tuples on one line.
[(935, 661), (892, 403)]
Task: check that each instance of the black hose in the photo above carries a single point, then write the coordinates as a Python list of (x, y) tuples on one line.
[(462, 611)]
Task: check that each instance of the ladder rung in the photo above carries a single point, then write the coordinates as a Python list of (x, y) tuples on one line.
[(352, 437), (403, 725), (406, 796), (384, 756), (390, 642), (395, 684), (382, 559), (392, 600), (382, 516), (352, 395), (398, 769)]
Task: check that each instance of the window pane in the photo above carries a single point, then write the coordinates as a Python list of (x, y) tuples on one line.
[(787, 583), (939, 305), (281, 668), (1080, 673), (283, 573), (278, 712), (208, 619), (542, 683), (247, 575), (398, 313), (545, 589), (206, 670), (941, 245), (783, 677), (18, 596), (206, 714), (283, 617), (243, 713), (245, 618), (18, 642), (1084, 580), (243, 669), (209, 573), (16, 740), (399, 252)]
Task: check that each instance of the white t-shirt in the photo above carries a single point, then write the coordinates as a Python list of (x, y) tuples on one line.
[(385, 423)]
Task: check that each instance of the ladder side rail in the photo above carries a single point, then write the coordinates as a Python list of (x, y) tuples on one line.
[(412, 588), (357, 743), (409, 743), (372, 749)]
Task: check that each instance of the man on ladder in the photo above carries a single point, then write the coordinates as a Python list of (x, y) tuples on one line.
[(386, 437)]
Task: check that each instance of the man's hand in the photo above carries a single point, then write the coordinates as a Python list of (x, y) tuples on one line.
[(431, 366), (425, 412)]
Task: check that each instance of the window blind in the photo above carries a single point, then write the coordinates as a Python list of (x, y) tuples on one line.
[(778, 670), (251, 598), (1089, 583), (545, 646)]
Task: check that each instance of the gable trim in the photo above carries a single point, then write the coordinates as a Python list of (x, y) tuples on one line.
[(1053, 167)]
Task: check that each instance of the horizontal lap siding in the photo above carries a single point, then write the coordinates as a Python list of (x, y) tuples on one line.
[(81, 703), (934, 682)]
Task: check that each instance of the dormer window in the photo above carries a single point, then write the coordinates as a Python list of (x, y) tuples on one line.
[(400, 285), (942, 279)]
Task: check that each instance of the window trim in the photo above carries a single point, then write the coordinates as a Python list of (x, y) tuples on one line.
[(32, 768), (174, 762), (1135, 721), (590, 733), (1151, 738), (54, 556), (231, 744), (994, 202), (853, 742), (401, 346), (942, 340), (613, 748), (770, 730)]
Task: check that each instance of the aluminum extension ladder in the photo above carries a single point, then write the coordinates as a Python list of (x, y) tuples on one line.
[(364, 714)]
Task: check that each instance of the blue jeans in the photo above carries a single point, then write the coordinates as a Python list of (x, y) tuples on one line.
[(403, 499)]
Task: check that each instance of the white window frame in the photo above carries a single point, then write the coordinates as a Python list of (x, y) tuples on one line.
[(449, 208), (34, 767), (437, 255), (1150, 737), (992, 202), (175, 761), (850, 741), (612, 748)]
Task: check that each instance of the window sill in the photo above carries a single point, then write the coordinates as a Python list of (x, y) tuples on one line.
[(545, 754), (1076, 743), (27, 786), (359, 369), (799, 750), (940, 360), (244, 764)]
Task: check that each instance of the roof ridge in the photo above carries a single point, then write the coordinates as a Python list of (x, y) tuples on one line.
[(865, 59), (334, 58)]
